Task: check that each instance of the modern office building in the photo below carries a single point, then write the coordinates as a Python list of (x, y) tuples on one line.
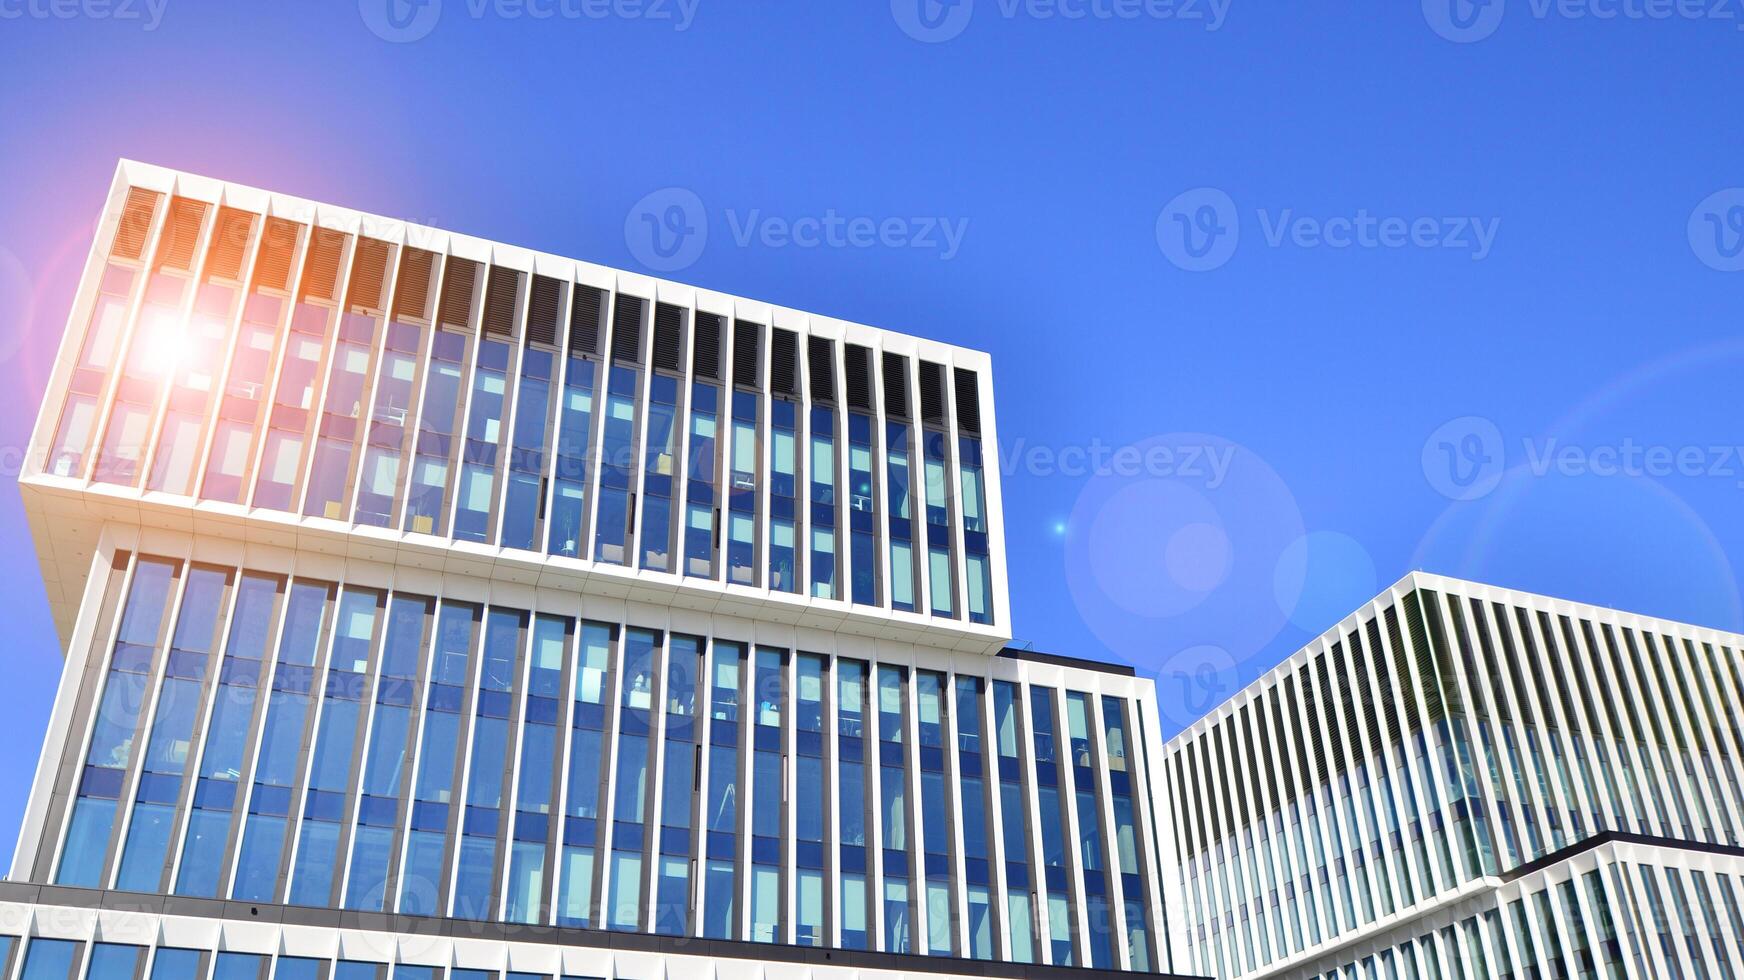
[(438, 609), (1460, 781)]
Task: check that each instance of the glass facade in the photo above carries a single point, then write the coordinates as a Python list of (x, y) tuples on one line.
[(554, 610), (272, 365), (374, 749)]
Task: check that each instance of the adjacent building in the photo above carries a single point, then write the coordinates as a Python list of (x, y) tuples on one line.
[(434, 608), (1460, 781)]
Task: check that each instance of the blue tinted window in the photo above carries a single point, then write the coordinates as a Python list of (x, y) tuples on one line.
[(422, 882), (257, 870), (50, 959), (147, 848), (205, 856), (239, 966), (299, 968), (82, 859), (177, 964), (110, 961), (317, 853)]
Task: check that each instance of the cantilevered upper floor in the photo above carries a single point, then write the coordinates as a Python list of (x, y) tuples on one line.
[(247, 364)]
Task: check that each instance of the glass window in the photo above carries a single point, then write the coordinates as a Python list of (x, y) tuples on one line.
[(574, 433), (239, 966), (111, 961), (51, 959), (298, 968), (626, 898), (172, 470), (178, 964), (719, 919)]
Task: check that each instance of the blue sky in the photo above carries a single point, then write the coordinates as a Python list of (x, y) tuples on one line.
[(1366, 290)]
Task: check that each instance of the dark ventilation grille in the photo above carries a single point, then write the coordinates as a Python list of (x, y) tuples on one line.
[(1402, 670), (321, 268), (745, 353), (932, 393), (501, 294), (229, 244), (368, 272), (968, 402), (544, 309), (277, 247), (587, 319), (135, 223), (821, 364), (412, 291), (627, 328), (705, 347), (858, 368), (895, 386), (784, 362), (459, 283), (181, 235), (668, 336)]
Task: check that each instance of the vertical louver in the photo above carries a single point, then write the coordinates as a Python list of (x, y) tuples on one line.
[(181, 235), (668, 336), (502, 293), (135, 223), (278, 247), (784, 362), (822, 367), (412, 291), (544, 310), (746, 353), (627, 328), (587, 319), (368, 271), (705, 349), (858, 368), (229, 244), (932, 393), (321, 268), (895, 385), (968, 402), (459, 285)]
